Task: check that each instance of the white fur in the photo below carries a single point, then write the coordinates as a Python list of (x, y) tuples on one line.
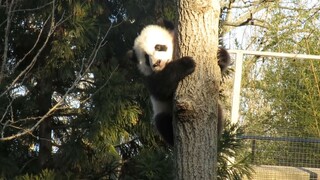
[(145, 44)]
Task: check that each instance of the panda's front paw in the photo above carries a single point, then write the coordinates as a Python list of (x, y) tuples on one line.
[(188, 64)]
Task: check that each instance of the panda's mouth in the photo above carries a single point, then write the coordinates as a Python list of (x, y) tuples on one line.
[(158, 63)]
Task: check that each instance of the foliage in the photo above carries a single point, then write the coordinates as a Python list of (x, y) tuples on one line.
[(66, 81), (233, 163), (83, 112), (281, 95), (230, 164), (45, 174), (149, 164), (59, 72), (285, 90)]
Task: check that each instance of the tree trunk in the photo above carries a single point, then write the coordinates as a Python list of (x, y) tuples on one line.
[(197, 96), (44, 103)]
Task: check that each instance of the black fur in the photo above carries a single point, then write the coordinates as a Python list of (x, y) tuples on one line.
[(166, 24), (223, 59), (163, 122), (163, 84)]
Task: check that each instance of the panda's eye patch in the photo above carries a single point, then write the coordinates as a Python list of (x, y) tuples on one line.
[(160, 47)]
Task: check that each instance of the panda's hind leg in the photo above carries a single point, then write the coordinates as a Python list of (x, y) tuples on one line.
[(163, 122)]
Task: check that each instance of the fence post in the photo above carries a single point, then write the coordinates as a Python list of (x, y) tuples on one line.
[(253, 150), (236, 86)]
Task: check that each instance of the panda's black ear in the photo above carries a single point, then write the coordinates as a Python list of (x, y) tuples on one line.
[(166, 24), (131, 55)]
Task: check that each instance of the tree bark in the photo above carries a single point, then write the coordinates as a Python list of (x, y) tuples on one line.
[(44, 103), (196, 99)]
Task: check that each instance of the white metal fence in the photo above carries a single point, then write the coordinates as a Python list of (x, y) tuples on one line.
[(277, 97), (238, 73)]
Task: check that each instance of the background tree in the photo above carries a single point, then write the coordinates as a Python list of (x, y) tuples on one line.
[(288, 86), (280, 95), (56, 69), (69, 100)]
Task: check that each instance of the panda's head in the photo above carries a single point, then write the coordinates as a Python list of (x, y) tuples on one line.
[(153, 49)]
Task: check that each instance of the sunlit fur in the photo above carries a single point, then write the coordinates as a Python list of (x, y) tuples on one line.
[(145, 43)]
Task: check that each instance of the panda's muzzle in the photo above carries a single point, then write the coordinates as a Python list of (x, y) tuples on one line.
[(158, 62)]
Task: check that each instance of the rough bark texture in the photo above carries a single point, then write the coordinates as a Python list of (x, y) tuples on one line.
[(197, 96)]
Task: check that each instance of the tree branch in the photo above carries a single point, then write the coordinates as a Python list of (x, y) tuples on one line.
[(6, 39), (247, 18), (84, 70), (35, 58)]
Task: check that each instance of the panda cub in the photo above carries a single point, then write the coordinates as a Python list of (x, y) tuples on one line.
[(153, 51)]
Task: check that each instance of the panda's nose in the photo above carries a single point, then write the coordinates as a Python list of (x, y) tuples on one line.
[(157, 63)]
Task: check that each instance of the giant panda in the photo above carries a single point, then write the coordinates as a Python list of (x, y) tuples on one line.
[(153, 53)]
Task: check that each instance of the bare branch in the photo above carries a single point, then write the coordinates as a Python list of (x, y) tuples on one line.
[(53, 26), (246, 18), (29, 130), (98, 90), (6, 111), (34, 9), (34, 46), (249, 21), (6, 39)]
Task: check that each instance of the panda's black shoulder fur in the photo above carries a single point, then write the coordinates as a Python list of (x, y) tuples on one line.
[(163, 84), (166, 24)]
